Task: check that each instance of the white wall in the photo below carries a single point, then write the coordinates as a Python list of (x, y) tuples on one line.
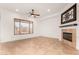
[(49, 26), (77, 41), (7, 26), (0, 26)]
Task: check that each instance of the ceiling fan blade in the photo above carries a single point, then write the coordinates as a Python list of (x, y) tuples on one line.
[(37, 14)]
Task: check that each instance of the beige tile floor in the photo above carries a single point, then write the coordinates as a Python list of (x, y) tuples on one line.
[(36, 46)]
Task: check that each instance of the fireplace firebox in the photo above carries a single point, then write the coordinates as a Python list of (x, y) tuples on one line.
[(67, 36)]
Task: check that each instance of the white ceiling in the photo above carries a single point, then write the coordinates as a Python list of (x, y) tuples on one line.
[(24, 8)]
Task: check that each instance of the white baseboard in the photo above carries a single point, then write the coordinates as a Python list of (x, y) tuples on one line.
[(28, 38), (16, 39)]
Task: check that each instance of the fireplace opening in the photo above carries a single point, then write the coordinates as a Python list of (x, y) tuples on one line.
[(67, 36)]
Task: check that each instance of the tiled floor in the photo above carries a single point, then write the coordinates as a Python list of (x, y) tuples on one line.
[(36, 46)]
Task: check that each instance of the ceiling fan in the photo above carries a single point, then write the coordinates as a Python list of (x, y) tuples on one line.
[(32, 13)]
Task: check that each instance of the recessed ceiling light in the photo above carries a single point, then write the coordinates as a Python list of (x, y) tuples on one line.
[(48, 10), (17, 9)]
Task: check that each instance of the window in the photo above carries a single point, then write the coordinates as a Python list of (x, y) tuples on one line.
[(23, 27), (17, 26)]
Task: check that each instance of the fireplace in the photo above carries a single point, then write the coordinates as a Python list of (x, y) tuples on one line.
[(67, 36)]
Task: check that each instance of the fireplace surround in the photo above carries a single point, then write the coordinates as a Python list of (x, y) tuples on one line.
[(69, 37)]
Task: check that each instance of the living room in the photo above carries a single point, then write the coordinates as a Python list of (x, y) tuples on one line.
[(30, 28)]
